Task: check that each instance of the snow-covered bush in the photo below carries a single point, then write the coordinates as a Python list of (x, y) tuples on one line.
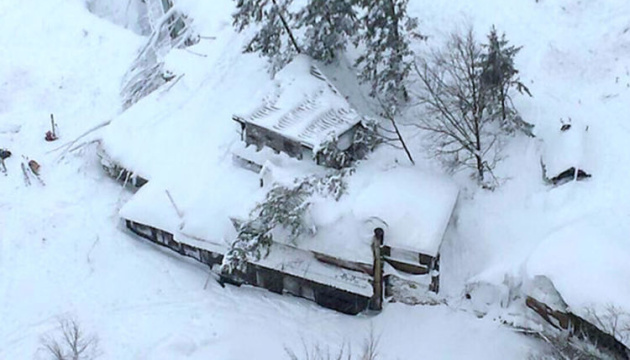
[(386, 32), (274, 39), (283, 207), (499, 77), (365, 140), (330, 155), (382, 30)]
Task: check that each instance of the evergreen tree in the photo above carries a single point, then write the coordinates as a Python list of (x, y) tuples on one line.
[(329, 24), (385, 33), (499, 76), (274, 39), (284, 208)]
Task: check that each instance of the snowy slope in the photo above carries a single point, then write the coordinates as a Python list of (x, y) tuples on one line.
[(575, 62)]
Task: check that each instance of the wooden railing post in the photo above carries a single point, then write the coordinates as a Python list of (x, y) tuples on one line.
[(377, 244)]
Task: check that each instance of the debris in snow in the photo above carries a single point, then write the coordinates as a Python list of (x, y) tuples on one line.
[(4, 153), (27, 180), (51, 135), (570, 174), (34, 166), (32, 170)]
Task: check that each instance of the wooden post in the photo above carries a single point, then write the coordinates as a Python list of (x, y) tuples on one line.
[(377, 284), (434, 272), (52, 125)]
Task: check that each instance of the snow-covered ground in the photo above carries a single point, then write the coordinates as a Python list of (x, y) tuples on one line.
[(575, 62), (63, 251)]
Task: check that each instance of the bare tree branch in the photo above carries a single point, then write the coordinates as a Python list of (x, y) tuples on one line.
[(71, 342), (454, 102)]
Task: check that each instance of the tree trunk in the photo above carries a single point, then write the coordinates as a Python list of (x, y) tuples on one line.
[(402, 141), (502, 99), (479, 168), (288, 30)]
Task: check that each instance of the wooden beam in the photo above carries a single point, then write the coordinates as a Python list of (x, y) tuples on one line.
[(377, 244)]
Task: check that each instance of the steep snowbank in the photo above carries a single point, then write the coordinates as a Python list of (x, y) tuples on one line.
[(574, 60)]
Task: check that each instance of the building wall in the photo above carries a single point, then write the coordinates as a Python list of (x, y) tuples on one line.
[(270, 279), (258, 136)]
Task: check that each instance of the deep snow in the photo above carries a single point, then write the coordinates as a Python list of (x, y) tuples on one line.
[(64, 251)]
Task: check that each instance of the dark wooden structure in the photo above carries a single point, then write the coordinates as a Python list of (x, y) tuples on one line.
[(258, 136), (273, 280), (377, 284), (257, 274), (414, 263), (119, 173), (582, 329)]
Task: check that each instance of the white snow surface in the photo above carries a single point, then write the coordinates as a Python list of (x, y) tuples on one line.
[(589, 253), (63, 250), (574, 60), (415, 206)]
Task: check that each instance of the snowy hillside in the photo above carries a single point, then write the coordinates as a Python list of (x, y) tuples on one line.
[(64, 252)]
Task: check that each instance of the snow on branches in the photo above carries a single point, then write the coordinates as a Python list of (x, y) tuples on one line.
[(170, 29), (284, 208), (321, 29)]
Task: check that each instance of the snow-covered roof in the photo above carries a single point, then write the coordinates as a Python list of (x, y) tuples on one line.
[(196, 207), (567, 148), (303, 264), (151, 206), (415, 206), (204, 225), (412, 206), (303, 105)]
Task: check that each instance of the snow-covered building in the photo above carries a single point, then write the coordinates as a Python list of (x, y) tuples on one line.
[(301, 111), (390, 224)]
